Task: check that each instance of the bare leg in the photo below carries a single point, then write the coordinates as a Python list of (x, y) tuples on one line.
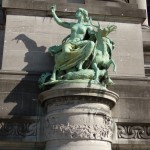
[(53, 77), (79, 66), (96, 70), (111, 61)]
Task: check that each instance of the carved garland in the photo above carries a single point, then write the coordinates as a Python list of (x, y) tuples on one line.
[(99, 132)]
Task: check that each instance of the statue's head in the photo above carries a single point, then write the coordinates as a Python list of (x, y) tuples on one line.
[(82, 13)]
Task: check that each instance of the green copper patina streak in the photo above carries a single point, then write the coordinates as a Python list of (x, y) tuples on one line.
[(85, 54)]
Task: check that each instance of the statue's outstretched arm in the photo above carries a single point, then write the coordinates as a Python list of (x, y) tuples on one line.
[(58, 20)]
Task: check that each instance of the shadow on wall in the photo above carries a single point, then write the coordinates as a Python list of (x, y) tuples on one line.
[(20, 97), (32, 48), (25, 92)]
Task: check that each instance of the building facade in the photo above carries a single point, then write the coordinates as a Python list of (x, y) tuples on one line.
[(27, 30)]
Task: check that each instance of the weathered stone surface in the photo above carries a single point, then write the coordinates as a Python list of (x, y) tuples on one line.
[(25, 128), (21, 146), (77, 112), (42, 5), (82, 145), (134, 99), (18, 96), (131, 146), (19, 91), (101, 11), (80, 89), (130, 110)]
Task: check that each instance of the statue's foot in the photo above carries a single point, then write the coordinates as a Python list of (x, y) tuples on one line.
[(115, 70), (52, 79), (103, 84), (110, 82), (96, 81)]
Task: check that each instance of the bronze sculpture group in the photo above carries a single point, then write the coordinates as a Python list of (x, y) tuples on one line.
[(84, 55)]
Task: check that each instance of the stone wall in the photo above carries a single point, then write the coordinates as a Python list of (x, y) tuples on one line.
[(27, 39), (28, 35)]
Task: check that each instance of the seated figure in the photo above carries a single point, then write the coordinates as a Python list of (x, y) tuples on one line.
[(85, 55), (77, 47)]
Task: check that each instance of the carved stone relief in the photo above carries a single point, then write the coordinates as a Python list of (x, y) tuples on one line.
[(79, 131), (73, 131), (134, 131), (18, 129)]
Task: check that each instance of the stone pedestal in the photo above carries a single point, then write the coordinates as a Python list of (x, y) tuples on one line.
[(78, 117)]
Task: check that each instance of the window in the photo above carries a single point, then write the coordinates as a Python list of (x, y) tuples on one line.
[(147, 63), (148, 11)]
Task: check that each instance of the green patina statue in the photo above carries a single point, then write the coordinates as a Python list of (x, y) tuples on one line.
[(84, 55)]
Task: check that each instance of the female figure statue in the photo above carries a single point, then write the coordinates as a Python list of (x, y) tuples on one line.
[(84, 55), (77, 47)]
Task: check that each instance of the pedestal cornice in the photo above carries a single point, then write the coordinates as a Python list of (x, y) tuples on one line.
[(91, 92)]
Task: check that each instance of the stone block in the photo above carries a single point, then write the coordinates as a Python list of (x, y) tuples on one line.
[(110, 3), (18, 104), (120, 14), (127, 51), (134, 100), (19, 97), (28, 61), (29, 44), (20, 145), (131, 146)]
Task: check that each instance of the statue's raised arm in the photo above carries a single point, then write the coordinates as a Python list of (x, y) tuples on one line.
[(57, 19)]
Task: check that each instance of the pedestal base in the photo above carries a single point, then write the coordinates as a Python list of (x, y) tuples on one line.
[(78, 145), (78, 117)]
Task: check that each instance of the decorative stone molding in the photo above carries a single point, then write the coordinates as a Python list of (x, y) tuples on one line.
[(80, 132), (73, 100), (25, 129), (31, 129), (120, 13), (79, 91), (133, 131)]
